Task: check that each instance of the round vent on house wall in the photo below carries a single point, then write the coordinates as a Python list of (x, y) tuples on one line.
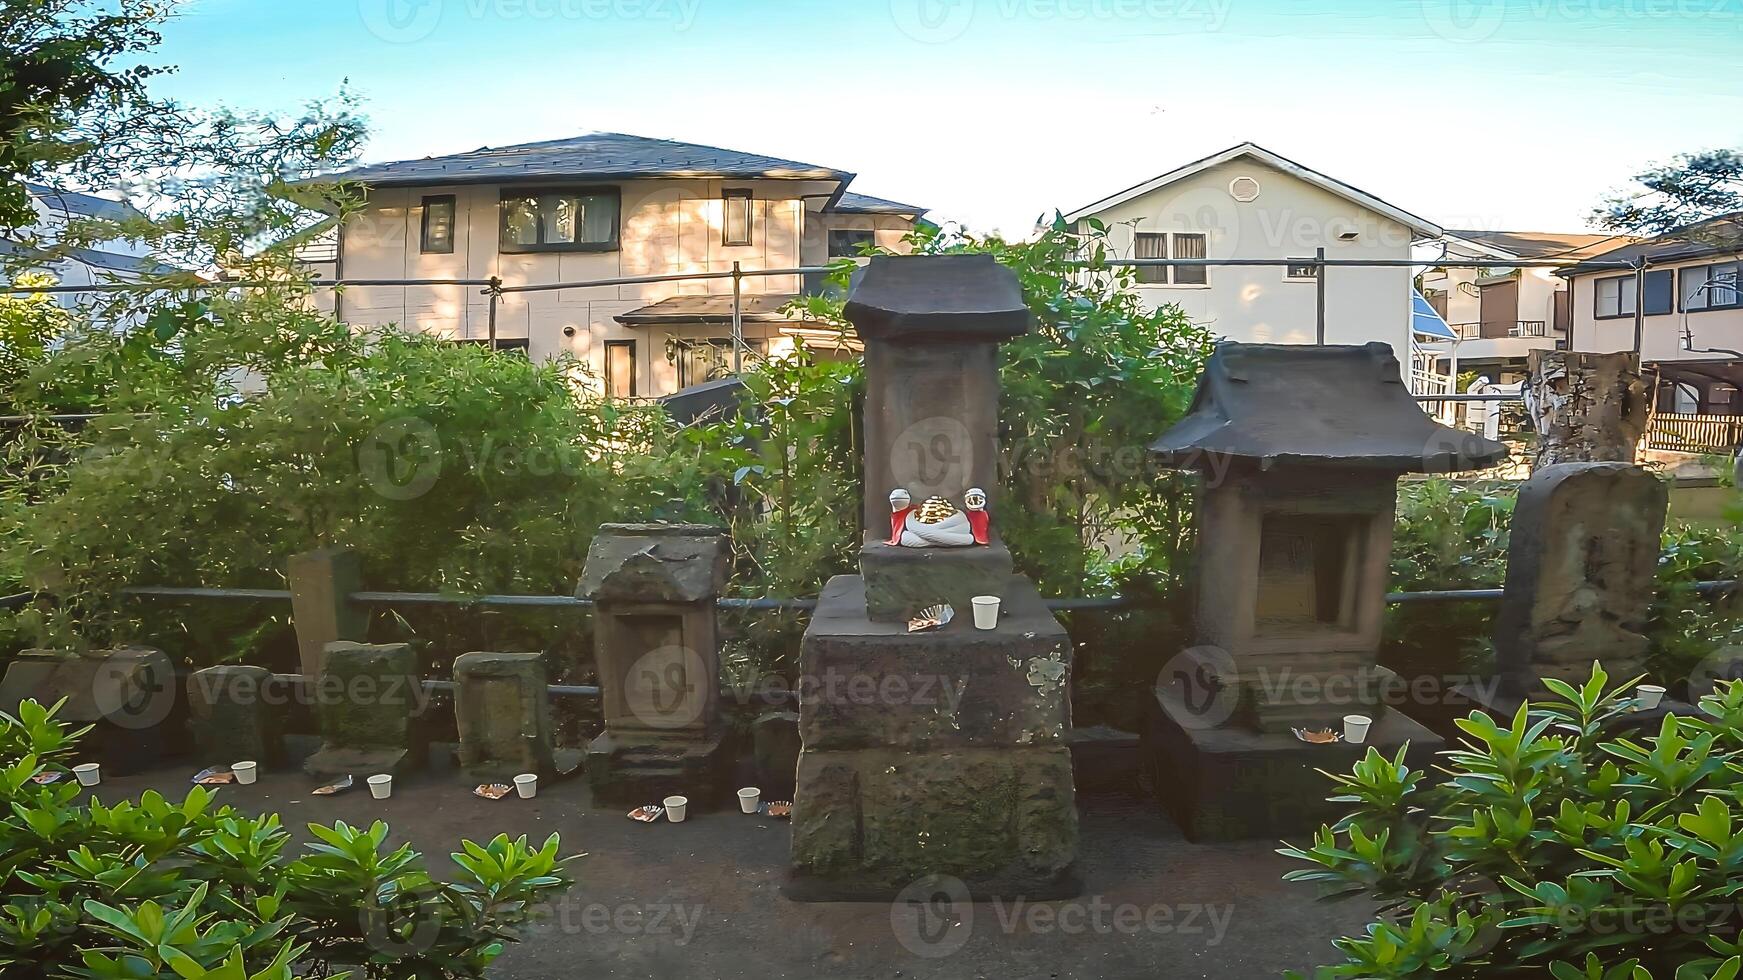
[(1244, 189)]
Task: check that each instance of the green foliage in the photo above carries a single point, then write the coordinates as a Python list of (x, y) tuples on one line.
[(159, 889), (1691, 188), (1448, 536), (1557, 840)]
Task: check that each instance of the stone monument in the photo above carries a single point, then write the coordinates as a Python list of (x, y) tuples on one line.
[(125, 695), (1582, 563), (367, 697), (232, 714), (934, 747), (657, 645), (1300, 449), (503, 714)]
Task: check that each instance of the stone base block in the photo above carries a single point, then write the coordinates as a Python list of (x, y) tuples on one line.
[(360, 763), (627, 770), (869, 823), (125, 694), (1234, 783), (870, 684), (231, 717), (899, 582)]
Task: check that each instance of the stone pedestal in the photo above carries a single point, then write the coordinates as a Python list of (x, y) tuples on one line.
[(230, 717), (1231, 782), (366, 697), (1582, 563), (125, 694), (933, 753), (899, 582), (503, 714), (657, 644)]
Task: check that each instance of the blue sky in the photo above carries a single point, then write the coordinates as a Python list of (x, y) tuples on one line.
[(1471, 113)]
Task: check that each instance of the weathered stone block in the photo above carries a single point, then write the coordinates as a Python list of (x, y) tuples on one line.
[(630, 769), (321, 583), (866, 684), (127, 693), (775, 749), (503, 714), (366, 697), (1581, 566), (231, 717), (899, 582), (867, 823), (655, 563)]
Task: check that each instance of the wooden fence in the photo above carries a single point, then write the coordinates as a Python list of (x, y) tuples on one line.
[(1721, 434)]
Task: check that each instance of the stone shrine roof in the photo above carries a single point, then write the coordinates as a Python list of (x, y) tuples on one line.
[(937, 297), (1323, 406)]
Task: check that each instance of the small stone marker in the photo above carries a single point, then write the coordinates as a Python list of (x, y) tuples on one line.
[(503, 714), (126, 693), (366, 696), (230, 715)]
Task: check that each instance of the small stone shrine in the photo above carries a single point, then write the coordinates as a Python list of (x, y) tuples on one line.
[(1300, 449), (933, 747), (657, 645), (1582, 564)]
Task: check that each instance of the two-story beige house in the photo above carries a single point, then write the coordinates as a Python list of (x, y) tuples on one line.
[(1689, 300), (603, 206)]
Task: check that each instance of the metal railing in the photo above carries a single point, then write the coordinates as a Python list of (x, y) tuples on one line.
[(1674, 432)]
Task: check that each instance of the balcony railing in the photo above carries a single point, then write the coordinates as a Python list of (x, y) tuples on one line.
[(1520, 328), (1468, 331)]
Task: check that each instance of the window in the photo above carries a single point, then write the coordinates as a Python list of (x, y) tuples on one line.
[(708, 360), (1151, 245), (847, 242), (560, 220), (735, 223), (438, 227), (1615, 297), (1710, 287), (1190, 247), (1308, 272), (1660, 292), (620, 369)]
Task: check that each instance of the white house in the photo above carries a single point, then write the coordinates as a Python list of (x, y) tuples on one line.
[(1247, 202), (37, 249), (601, 206)]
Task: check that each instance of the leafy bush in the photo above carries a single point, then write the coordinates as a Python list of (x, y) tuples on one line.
[(1558, 840), (193, 889)]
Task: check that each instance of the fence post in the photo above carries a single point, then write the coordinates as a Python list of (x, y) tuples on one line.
[(737, 320), (321, 583), (1319, 298)]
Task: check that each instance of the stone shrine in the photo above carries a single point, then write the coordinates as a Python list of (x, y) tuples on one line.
[(1300, 449), (657, 644), (933, 749)]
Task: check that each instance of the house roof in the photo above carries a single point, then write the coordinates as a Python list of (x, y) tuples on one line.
[(1539, 244), (1722, 235), (852, 203), (905, 298), (1317, 406), (1420, 226), (84, 205), (595, 156), (710, 308), (93, 258)]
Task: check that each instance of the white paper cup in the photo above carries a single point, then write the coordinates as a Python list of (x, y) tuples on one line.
[(986, 612), (381, 786), (748, 798), (1649, 695), (1356, 728), (675, 807), (88, 773), (246, 772), (527, 785)]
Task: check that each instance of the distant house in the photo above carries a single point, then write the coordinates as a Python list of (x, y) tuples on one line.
[(1682, 311), (602, 206), (107, 262), (1500, 314), (1247, 202)]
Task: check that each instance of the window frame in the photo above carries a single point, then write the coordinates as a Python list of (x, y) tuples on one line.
[(1200, 270), (1670, 296), (605, 372), (452, 201), (1597, 298), (1312, 273), (504, 195), (1736, 287), (727, 197), (871, 236), (1144, 271)]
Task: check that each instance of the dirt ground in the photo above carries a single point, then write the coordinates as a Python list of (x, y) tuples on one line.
[(702, 898)]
